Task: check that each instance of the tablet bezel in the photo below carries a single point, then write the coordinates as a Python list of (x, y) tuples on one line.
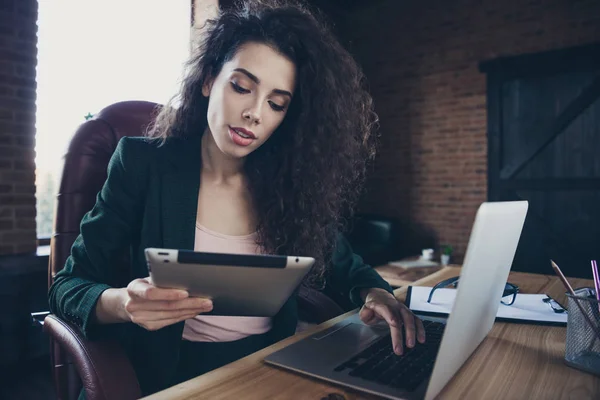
[(238, 284)]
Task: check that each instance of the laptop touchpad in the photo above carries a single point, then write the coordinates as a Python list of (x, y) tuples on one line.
[(353, 335)]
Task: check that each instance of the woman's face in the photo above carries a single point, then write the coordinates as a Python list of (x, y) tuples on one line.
[(249, 98)]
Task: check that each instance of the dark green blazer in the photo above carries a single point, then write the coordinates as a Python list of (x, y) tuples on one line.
[(150, 200)]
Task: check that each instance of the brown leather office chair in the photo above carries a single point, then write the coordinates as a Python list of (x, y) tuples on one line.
[(102, 367)]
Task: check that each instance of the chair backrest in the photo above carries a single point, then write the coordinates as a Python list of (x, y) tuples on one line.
[(373, 238), (379, 239), (84, 172)]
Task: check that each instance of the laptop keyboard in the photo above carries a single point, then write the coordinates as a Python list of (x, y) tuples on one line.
[(380, 364)]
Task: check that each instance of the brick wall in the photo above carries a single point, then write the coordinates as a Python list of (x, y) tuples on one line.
[(17, 125), (421, 58)]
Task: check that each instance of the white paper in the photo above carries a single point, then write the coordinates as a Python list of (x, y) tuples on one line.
[(420, 263), (526, 306)]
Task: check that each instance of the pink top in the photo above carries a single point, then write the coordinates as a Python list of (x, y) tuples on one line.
[(213, 328)]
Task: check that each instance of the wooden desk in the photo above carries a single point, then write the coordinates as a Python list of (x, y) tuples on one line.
[(515, 361), (398, 276)]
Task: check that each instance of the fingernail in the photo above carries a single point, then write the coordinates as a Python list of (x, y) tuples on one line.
[(398, 350), (411, 343)]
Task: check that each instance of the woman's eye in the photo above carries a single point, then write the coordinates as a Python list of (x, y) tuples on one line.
[(238, 88), (276, 107)]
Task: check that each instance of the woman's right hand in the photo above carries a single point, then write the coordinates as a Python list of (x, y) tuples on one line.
[(153, 308)]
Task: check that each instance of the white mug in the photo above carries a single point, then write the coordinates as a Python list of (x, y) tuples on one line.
[(427, 254)]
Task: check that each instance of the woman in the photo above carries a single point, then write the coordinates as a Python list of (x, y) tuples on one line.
[(263, 151)]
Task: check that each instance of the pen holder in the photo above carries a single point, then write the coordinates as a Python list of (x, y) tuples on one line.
[(583, 345)]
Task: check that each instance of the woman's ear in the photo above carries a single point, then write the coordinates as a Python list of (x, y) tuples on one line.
[(206, 87)]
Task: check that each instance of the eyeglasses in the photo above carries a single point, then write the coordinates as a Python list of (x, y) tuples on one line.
[(508, 296), (557, 308)]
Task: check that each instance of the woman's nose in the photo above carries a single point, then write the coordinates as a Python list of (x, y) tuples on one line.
[(252, 114)]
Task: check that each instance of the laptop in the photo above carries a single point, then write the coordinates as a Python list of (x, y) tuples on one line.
[(358, 356)]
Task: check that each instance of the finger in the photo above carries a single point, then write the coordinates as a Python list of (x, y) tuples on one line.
[(192, 303), (147, 308), (396, 332), (145, 290), (390, 314), (408, 319), (156, 325), (420, 330), (165, 305), (368, 316), (146, 317), (384, 311)]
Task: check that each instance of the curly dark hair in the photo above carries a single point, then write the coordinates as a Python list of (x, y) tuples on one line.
[(305, 180)]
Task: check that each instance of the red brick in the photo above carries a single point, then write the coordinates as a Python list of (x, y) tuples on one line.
[(16, 199), (20, 165), (18, 237), (26, 247), (17, 81), (6, 91), (18, 59), (26, 94), (6, 224), (6, 249), (17, 104), (421, 60), (6, 115), (8, 127), (14, 176), (27, 118), (6, 67), (28, 224), (26, 141), (24, 213), (17, 152), (24, 189)]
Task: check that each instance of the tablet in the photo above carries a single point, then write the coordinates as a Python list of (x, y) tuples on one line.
[(238, 284)]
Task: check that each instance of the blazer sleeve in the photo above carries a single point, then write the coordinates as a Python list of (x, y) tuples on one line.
[(106, 232), (350, 274)]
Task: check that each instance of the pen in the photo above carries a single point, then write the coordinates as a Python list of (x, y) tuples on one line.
[(596, 281), (567, 285)]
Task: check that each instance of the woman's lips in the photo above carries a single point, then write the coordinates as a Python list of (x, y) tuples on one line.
[(244, 131), (238, 139)]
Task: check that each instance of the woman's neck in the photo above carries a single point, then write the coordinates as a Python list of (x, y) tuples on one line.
[(216, 166)]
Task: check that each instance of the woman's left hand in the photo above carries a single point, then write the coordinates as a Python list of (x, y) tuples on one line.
[(381, 305)]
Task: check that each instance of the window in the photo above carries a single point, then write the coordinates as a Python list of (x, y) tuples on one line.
[(94, 53)]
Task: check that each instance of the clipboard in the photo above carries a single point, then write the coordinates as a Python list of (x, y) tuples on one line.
[(527, 309)]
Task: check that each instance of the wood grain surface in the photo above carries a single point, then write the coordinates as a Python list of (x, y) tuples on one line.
[(515, 361)]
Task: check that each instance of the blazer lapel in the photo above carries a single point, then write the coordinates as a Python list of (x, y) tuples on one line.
[(179, 197)]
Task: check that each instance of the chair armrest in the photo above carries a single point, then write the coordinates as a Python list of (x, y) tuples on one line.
[(316, 307), (103, 367), (37, 318)]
